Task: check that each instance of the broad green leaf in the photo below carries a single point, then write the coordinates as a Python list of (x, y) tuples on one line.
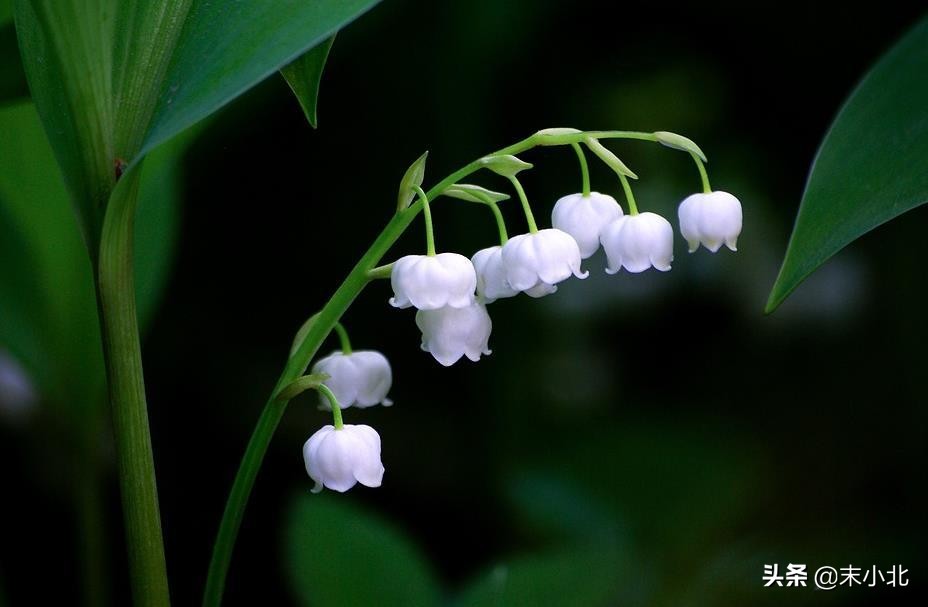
[(67, 58), (338, 554), (473, 193), (12, 79), (304, 76), (591, 577), (225, 48), (46, 277), (871, 167), (412, 179)]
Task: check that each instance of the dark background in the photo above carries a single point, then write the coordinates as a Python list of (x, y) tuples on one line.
[(715, 439)]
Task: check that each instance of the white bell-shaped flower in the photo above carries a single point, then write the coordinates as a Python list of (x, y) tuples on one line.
[(361, 378), (450, 333), (491, 275), (429, 282), (339, 458), (711, 219), (536, 262), (584, 218), (637, 242)]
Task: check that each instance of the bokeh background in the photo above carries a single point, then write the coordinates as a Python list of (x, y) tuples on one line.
[(651, 439)]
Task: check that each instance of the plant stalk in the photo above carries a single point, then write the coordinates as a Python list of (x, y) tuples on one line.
[(122, 351)]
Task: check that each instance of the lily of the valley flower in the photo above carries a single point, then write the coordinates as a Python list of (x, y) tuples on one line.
[(638, 242), (429, 282), (338, 458), (537, 261), (491, 275), (710, 219), (361, 378), (584, 218), (450, 333)]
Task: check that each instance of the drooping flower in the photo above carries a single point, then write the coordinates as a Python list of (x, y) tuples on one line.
[(537, 261), (584, 218), (491, 275), (340, 458), (638, 242), (710, 219), (429, 282), (450, 333), (361, 378)]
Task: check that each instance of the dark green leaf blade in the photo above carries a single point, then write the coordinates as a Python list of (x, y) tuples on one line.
[(226, 48), (576, 576), (871, 167), (66, 48), (12, 78), (338, 554), (304, 76)]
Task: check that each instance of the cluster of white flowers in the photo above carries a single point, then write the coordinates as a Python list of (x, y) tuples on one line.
[(451, 292)]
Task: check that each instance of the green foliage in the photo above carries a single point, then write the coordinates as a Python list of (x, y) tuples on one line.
[(12, 80), (338, 554), (871, 167), (304, 76), (48, 314), (114, 79), (590, 577), (473, 193), (412, 179)]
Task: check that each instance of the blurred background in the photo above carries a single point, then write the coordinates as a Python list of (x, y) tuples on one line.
[(633, 439)]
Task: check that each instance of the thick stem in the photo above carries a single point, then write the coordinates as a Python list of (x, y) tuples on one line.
[(122, 350)]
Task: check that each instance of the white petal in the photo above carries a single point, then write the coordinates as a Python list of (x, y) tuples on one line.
[(450, 333), (584, 217), (432, 282)]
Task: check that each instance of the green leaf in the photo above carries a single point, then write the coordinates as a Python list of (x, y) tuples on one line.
[(588, 577), (12, 79), (226, 48), (66, 51), (611, 160), (48, 311), (871, 167), (679, 142), (506, 165), (304, 76), (473, 193), (338, 554), (412, 179)]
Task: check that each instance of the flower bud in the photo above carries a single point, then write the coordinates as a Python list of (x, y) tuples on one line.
[(450, 333), (710, 219), (339, 458), (584, 218), (537, 261), (491, 275), (637, 242), (361, 379), (429, 282)]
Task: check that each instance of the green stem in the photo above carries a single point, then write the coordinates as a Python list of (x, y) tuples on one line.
[(429, 232), (343, 338), (529, 217), (122, 351), (584, 168), (706, 188), (300, 358), (500, 222), (333, 403), (632, 207)]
